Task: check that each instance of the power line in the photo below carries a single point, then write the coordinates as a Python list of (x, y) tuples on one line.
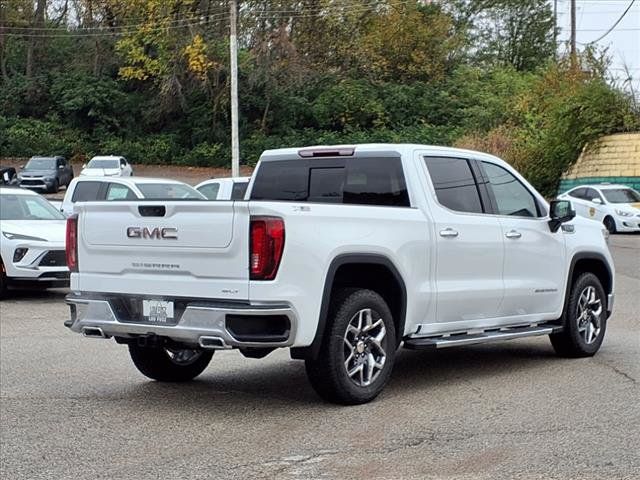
[(614, 25), (346, 7)]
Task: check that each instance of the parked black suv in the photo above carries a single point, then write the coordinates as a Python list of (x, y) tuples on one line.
[(46, 173)]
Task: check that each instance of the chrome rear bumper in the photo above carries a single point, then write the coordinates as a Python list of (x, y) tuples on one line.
[(201, 324)]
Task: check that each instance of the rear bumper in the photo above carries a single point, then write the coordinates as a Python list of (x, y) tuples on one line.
[(203, 323)]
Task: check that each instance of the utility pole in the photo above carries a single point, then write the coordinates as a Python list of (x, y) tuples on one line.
[(233, 47), (573, 35), (555, 29)]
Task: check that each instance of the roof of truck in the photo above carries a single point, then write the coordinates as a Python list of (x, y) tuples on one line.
[(376, 148)]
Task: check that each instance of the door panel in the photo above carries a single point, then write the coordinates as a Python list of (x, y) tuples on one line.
[(533, 256), (469, 245)]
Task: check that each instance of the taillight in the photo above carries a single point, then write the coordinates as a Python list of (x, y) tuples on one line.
[(267, 243), (71, 243)]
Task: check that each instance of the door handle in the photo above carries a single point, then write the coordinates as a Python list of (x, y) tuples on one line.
[(448, 232), (513, 234)]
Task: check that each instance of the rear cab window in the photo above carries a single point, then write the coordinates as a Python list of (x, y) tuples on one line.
[(86, 192), (374, 181)]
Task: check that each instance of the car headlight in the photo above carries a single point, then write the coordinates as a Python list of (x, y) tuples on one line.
[(17, 236), (623, 213)]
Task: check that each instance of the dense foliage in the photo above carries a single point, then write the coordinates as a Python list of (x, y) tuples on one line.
[(149, 79)]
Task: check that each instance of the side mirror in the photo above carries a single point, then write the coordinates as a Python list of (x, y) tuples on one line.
[(84, 165), (597, 201), (560, 211), (21, 167)]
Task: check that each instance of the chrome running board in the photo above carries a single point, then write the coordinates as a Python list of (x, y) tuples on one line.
[(466, 338)]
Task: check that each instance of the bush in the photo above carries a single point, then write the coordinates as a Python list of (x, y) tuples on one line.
[(207, 155), (162, 149), (23, 137)]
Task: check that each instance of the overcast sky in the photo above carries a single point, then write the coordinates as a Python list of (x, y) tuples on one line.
[(594, 18)]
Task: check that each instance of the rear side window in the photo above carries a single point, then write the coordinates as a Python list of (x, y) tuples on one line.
[(116, 191), (578, 193), (454, 183), (86, 192), (238, 190), (355, 181)]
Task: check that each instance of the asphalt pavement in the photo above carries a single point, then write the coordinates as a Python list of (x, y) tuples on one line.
[(76, 408)]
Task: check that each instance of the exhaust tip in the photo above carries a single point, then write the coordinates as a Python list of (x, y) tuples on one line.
[(215, 343), (93, 332)]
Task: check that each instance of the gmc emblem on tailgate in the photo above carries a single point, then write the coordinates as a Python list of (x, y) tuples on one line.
[(157, 233)]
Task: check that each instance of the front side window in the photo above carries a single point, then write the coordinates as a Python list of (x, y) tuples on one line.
[(454, 183), (86, 192), (512, 197), (210, 190)]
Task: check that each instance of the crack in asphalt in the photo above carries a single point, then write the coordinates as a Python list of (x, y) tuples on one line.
[(618, 371)]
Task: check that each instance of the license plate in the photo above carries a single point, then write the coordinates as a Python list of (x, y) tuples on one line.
[(157, 311)]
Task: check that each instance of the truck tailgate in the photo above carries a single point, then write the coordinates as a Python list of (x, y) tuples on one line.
[(193, 249)]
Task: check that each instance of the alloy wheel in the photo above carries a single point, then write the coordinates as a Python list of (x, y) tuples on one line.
[(364, 352), (589, 314)]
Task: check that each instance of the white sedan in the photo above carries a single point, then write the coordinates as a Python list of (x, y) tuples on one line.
[(32, 238), (616, 206), (229, 188), (107, 166)]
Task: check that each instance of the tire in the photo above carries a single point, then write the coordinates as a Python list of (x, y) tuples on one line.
[(359, 319), (583, 333), (157, 363), (55, 187), (3, 282), (610, 224)]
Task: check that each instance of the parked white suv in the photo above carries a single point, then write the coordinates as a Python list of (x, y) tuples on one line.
[(616, 206), (341, 254), (32, 234), (107, 166)]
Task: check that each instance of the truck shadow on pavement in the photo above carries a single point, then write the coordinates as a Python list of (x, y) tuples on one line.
[(283, 384), (31, 295)]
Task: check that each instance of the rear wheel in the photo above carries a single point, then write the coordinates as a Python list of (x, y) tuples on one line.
[(610, 224), (358, 350), (584, 319), (169, 364)]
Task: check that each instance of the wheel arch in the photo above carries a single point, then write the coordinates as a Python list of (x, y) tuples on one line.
[(592, 262), (389, 284)]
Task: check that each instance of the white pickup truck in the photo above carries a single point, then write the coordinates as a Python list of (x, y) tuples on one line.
[(341, 254)]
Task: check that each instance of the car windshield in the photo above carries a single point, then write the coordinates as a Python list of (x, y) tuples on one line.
[(41, 164), (169, 191), (621, 195), (103, 163), (27, 207)]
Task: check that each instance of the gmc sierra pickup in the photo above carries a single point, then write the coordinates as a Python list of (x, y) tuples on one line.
[(342, 254)]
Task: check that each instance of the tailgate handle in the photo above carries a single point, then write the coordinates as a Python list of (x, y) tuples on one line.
[(152, 210)]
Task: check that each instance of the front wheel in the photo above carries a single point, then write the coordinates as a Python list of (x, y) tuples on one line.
[(358, 350), (610, 224), (55, 187), (584, 319), (3, 281), (169, 364)]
